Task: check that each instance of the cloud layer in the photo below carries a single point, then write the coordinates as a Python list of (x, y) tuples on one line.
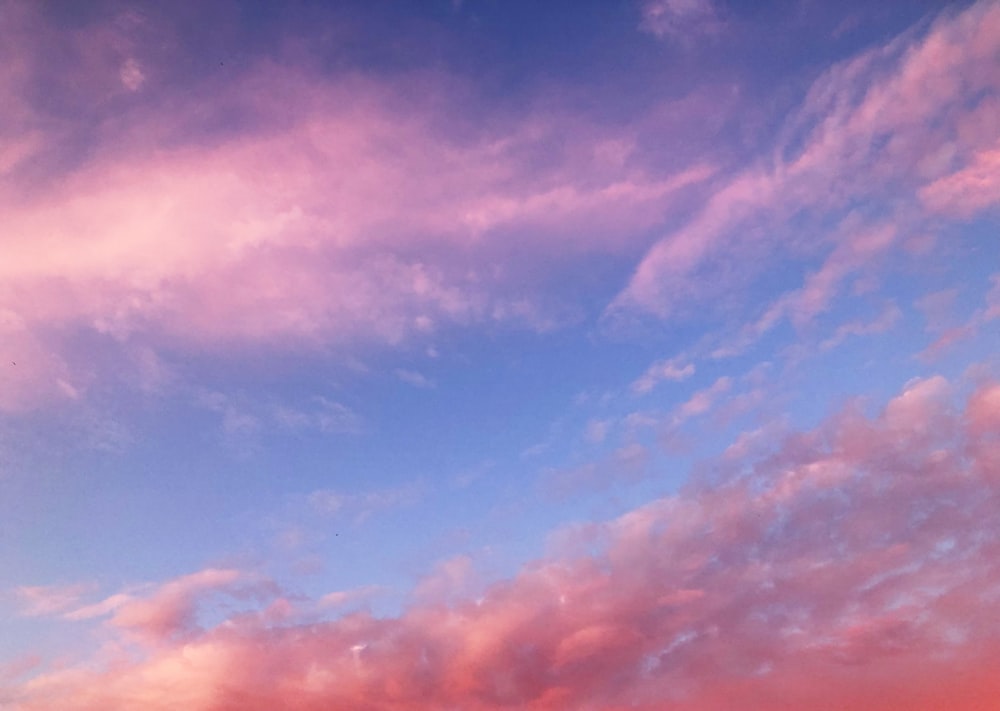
[(279, 205), (851, 566)]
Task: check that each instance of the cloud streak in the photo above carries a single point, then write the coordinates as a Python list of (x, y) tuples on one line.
[(911, 121)]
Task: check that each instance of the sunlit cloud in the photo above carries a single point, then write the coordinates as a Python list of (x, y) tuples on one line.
[(411, 356), (327, 219), (41, 600), (889, 123), (833, 554)]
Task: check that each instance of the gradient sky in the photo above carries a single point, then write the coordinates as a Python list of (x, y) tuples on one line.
[(495, 354)]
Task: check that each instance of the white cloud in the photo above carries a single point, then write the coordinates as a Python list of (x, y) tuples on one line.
[(46, 600)]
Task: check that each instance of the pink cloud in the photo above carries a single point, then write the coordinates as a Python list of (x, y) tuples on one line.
[(171, 610), (344, 211), (984, 411), (888, 317), (852, 566), (100, 609), (973, 188), (853, 252), (673, 369), (912, 118), (45, 600), (10, 671), (948, 330), (339, 598), (155, 614), (948, 338), (703, 400), (858, 250)]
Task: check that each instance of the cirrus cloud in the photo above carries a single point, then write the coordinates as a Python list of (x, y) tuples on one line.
[(345, 210), (909, 122)]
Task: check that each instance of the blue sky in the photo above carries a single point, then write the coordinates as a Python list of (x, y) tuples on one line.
[(343, 319)]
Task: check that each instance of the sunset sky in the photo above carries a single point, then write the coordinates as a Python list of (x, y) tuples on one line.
[(466, 355)]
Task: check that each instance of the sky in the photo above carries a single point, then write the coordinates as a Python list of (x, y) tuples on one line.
[(494, 354)]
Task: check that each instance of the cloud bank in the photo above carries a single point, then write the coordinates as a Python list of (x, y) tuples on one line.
[(856, 565)]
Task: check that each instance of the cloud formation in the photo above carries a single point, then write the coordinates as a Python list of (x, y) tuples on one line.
[(344, 209), (912, 122), (43, 600), (355, 209), (854, 565)]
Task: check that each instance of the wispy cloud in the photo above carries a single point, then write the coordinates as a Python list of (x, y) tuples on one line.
[(48, 600), (170, 611), (324, 218), (324, 415), (627, 463), (672, 370), (950, 331), (340, 598), (158, 613), (969, 190), (992, 310), (412, 377), (888, 125), (683, 21), (243, 416), (888, 317), (361, 506), (702, 401)]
